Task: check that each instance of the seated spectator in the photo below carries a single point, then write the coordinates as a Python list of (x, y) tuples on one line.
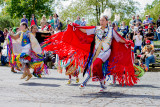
[(148, 56), (146, 22), (150, 35), (124, 29), (83, 23), (47, 27), (148, 43), (138, 42)]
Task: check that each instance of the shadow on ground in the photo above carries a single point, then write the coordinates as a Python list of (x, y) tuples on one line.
[(115, 95), (48, 78), (135, 86), (39, 84)]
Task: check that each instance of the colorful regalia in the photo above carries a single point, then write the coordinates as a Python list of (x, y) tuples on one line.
[(100, 52), (30, 53)]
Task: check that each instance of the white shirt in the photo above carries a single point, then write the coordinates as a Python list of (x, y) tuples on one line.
[(138, 42)]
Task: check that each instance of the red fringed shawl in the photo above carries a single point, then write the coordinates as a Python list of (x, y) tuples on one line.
[(74, 44)]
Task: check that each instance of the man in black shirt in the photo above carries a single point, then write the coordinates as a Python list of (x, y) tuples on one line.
[(158, 22), (139, 21), (150, 35)]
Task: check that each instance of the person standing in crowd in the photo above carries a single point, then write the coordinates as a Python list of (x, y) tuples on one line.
[(136, 28), (139, 21), (131, 32), (5, 33), (51, 21), (1, 40), (158, 22), (158, 32), (133, 21), (56, 21), (150, 35), (146, 22), (83, 22), (24, 19), (43, 21), (138, 42), (151, 19), (78, 21), (33, 20), (124, 29)]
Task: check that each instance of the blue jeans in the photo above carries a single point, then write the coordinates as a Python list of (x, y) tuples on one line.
[(137, 47), (149, 60), (158, 34)]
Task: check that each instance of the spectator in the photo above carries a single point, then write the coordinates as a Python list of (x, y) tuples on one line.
[(148, 43), (78, 21), (146, 22), (56, 21), (149, 56), (1, 40), (158, 22), (141, 30), (136, 28), (124, 29), (144, 41), (43, 21), (24, 19), (56, 30), (60, 25), (158, 32), (33, 20), (150, 35), (5, 33), (133, 21), (139, 21), (83, 22), (138, 42), (51, 21), (47, 27), (109, 24), (34, 30), (151, 19)]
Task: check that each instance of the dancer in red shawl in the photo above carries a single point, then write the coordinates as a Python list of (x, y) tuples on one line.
[(107, 51)]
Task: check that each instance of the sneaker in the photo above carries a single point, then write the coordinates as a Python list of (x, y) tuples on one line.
[(69, 82), (81, 86), (77, 80)]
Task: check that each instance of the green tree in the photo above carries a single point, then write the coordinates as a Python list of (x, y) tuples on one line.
[(153, 10), (94, 8), (15, 8)]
